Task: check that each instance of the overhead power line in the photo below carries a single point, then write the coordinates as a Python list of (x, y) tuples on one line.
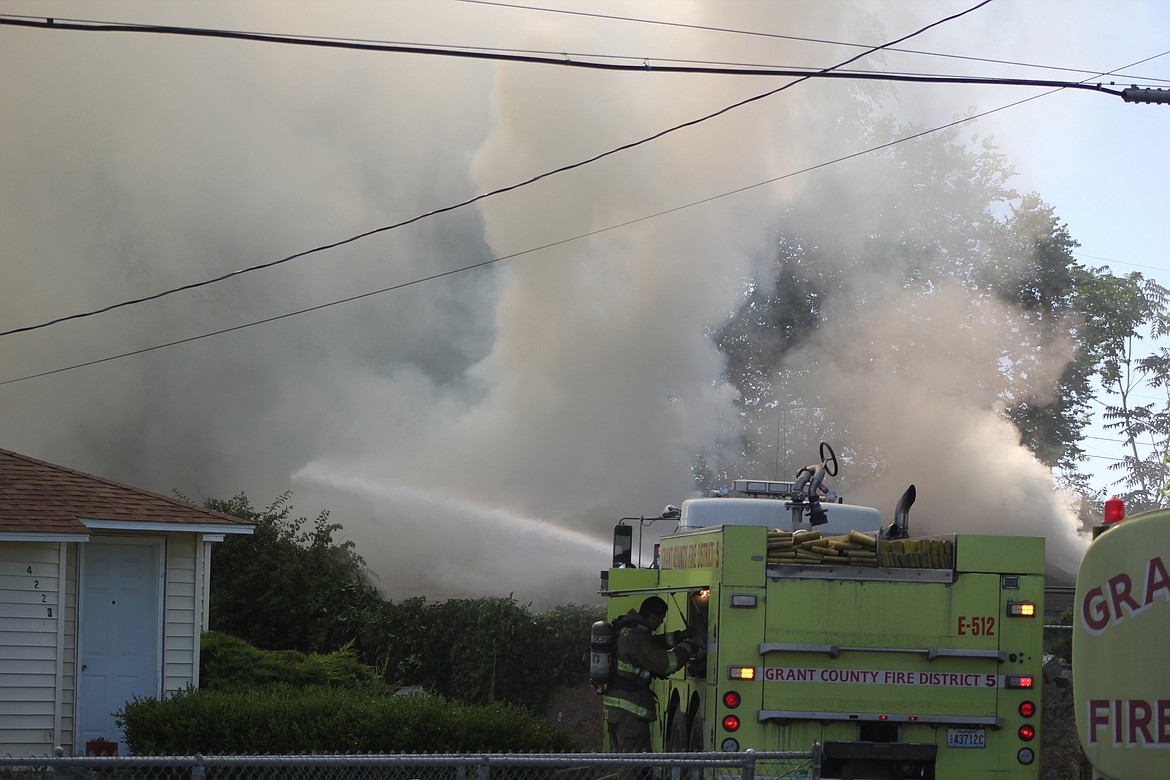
[(514, 255), (1121, 262), (780, 36), (475, 199), (1132, 94), (532, 250), (548, 246), (484, 263), (559, 57)]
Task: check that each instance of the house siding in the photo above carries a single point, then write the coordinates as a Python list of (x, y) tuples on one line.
[(30, 615), (40, 591), (180, 617), (69, 648)]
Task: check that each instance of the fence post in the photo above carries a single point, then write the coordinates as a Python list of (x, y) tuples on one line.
[(816, 761), (59, 772), (198, 771), (483, 772), (749, 764)]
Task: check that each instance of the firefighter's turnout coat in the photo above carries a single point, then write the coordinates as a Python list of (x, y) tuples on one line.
[(641, 656)]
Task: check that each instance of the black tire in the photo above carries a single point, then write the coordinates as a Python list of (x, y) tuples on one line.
[(697, 736), (677, 733)]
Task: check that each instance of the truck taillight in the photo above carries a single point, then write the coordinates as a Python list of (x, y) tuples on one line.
[(1114, 511), (730, 722), (1021, 609), (741, 673), (731, 700), (1027, 732), (1025, 681), (1027, 709)]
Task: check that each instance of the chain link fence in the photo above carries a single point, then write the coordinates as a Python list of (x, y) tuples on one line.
[(576, 766)]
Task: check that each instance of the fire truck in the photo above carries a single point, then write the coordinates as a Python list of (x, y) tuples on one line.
[(1121, 627), (900, 656)]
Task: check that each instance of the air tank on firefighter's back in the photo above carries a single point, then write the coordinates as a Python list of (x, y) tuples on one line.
[(600, 653)]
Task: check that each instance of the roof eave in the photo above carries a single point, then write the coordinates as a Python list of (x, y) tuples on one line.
[(42, 536), (244, 529)]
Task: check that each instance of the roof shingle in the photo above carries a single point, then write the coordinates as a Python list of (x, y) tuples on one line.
[(39, 497)]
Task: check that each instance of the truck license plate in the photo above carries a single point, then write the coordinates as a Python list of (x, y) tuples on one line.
[(966, 738)]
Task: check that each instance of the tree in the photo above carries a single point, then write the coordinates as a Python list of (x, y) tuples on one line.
[(931, 224), (291, 586), (943, 217), (1141, 305), (288, 586)]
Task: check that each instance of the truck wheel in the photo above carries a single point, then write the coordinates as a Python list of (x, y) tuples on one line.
[(697, 737), (695, 744), (676, 740)]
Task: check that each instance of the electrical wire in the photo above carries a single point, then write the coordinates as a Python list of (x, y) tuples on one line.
[(495, 260), (1121, 262), (503, 258), (559, 58), (472, 200), (500, 259), (562, 60), (779, 36)]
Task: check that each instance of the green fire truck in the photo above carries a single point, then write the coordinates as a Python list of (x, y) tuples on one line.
[(900, 656), (1121, 681)]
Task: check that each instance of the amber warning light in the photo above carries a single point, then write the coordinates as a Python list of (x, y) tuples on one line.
[(742, 673), (1021, 609)]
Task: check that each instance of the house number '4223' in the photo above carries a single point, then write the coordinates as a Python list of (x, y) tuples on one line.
[(976, 625), (44, 596)]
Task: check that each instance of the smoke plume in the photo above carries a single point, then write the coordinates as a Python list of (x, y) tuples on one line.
[(478, 434)]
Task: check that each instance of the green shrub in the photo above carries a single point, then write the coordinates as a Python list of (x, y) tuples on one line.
[(564, 643), (226, 662), (280, 718), (1058, 641), (482, 650)]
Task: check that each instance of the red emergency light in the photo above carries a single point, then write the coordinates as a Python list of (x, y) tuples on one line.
[(1114, 511)]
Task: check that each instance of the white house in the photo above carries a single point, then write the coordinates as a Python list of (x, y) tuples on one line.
[(103, 595)]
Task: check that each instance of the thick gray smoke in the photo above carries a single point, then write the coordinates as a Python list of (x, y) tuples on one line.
[(930, 405), (477, 435)]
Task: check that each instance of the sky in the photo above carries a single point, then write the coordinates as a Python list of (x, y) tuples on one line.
[(480, 432)]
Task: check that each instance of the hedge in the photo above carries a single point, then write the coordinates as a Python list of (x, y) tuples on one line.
[(283, 718), (227, 663)]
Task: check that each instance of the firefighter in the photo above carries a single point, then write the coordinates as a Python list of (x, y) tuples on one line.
[(641, 654)]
